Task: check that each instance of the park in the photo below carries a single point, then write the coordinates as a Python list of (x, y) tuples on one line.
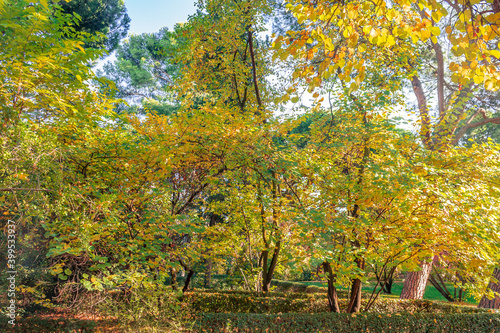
[(264, 166)]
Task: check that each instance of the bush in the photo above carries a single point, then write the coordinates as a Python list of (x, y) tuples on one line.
[(297, 287), (248, 303), (40, 325), (347, 323), (252, 302)]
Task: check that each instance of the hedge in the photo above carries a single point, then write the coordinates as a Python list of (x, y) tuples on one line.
[(347, 323), (42, 325), (246, 302), (289, 294)]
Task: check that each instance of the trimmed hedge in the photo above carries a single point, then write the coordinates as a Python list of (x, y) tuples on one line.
[(347, 323), (42, 325), (297, 287), (247, 302), (265, 294)]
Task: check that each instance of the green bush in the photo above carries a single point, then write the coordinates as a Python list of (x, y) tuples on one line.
[(347, 323), (297, 287), (251, 302), (248, 303), (41, 325), (289, 294)]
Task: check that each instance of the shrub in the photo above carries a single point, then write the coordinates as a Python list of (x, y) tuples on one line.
[(297, 287), (347, 323), (40, 325), (252, 302)]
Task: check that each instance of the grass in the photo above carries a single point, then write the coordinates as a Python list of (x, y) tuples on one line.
[(431, 293)]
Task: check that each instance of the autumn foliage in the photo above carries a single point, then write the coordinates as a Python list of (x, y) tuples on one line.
[(232, 179)]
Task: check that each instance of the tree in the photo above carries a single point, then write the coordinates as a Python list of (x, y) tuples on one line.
[(494, 302), (43, 89), (351, 39), (146, 70), (107, 17)]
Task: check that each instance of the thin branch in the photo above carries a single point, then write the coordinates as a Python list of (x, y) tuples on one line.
[(254, 68), (470, 125)]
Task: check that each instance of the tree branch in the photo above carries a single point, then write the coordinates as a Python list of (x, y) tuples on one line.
[(470, 125), (425, 131), (254, 68)]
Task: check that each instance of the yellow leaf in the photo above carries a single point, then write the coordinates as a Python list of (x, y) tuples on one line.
[(390, 41), (453, 67), (435, 31), (489, 85), (495, 53)]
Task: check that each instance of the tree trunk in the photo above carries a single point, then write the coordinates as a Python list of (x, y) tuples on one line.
[(495, 302), (386, 280), (388, 285), (333, 300), (208, 273), (190, 272), (355, 300), (415, 282), (188, 279), (267, 272), (173, 279), (440, 284)]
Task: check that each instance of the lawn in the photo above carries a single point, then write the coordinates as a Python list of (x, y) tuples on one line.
[(431, 293)]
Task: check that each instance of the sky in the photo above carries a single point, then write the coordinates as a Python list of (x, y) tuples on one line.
[(151, 15)]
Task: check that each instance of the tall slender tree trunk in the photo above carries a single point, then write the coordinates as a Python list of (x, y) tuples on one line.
[(333, 300), (268, 270), (190, 272), (415, 282), (208, 273), (173, 279), (495, 302), (355, 299)]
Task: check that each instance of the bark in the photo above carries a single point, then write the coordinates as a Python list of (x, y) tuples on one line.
[(188, 280), (386, 279), (425, 127), (207, 282), (415, 282), (469, 124), (495, 302), (438, 283), (440, 78), (208, 273), (254, 69), (387, 287), (333, 300), (190, 272), (268, 271), (355, 299), (173, 279)]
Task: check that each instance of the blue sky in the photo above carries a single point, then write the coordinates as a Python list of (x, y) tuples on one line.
[(151, 15)]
